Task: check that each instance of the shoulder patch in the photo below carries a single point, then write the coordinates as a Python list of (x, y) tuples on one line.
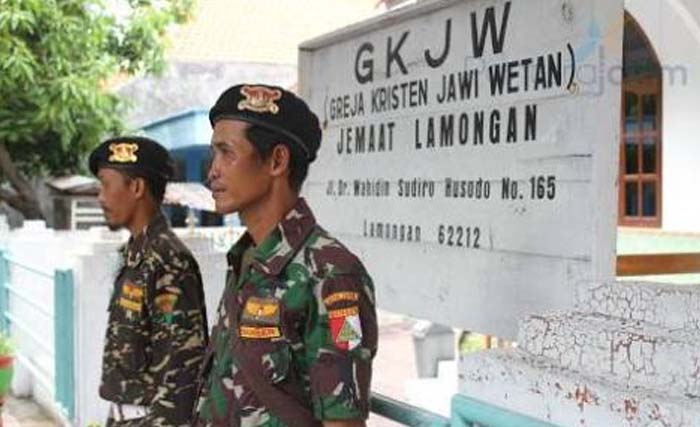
[(346, 328), (165, 303), (341, 296)]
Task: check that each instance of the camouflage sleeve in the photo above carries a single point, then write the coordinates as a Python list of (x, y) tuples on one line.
[(178, 341), (343, 339)]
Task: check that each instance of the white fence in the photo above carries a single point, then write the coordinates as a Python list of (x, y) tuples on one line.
[(92, 255)]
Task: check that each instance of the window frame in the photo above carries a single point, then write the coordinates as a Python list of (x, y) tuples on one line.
[(644, 85)]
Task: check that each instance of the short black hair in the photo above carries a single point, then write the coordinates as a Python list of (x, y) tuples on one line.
[(155, 184), (265, 140)]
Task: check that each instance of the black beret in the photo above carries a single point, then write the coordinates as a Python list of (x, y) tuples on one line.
[(273, 108), (137, 154)]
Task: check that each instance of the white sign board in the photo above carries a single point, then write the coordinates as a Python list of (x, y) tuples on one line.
[(470, 153)]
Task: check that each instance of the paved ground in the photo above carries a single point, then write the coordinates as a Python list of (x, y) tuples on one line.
[(394, 364), (25, 413)]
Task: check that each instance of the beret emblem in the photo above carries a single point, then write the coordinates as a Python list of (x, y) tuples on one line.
[(260, 99), (123, 152)]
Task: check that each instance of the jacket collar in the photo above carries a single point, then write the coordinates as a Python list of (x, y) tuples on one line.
[(280, 246), (133, 251)]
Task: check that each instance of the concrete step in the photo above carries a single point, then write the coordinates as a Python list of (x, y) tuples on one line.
[(535, 386), (630, 353), (672, 306)]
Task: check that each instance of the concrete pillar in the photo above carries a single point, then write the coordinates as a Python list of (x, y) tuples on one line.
[(432, 343)]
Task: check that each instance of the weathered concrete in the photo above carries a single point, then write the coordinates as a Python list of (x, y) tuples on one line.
[(629, 355), (538, 387), (672, 306)]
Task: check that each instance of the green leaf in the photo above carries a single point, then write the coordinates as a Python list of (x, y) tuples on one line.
[(55, 57)]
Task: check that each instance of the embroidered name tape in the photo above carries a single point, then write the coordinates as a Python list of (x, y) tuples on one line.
[(129, 304), (259, 332)]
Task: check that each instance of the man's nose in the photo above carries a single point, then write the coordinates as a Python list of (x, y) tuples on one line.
[(212, 173)]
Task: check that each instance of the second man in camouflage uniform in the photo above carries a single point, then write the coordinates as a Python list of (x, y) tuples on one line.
[(157, 327)]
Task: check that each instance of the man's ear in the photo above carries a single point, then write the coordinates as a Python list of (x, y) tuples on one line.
[(139, 188), (280, 160)]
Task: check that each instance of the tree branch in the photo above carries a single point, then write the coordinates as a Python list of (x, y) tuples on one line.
[(6, 195), (12, 173), (11, 199), (24, 198)]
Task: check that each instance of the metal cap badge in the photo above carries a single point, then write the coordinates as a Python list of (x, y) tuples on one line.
[(123, 152), (260, 99), (138, 154)]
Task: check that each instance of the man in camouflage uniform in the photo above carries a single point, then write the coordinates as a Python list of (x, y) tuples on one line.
[(157, 327), (297, 330)]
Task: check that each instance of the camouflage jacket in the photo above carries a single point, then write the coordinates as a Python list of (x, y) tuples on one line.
[(304, 314), (157, 328)]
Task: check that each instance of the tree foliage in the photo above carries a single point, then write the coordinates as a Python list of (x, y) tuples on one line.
[(57, 58)]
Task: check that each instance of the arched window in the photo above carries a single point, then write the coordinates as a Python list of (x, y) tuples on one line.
[(640, 151)]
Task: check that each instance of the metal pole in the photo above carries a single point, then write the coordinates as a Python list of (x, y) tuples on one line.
[(64, 334)]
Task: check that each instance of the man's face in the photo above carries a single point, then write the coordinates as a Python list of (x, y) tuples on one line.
[(238, 177), (117, 197)]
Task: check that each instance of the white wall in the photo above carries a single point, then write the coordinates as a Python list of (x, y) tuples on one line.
[(94, 259), (673, 27), (44, 250), (39, 247)]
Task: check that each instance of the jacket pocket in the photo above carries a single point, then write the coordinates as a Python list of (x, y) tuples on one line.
[(136, 341), (273, 359)]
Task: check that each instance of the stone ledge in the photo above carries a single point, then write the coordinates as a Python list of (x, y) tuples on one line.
[(536, 387), (663, 304), (630, 353)]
